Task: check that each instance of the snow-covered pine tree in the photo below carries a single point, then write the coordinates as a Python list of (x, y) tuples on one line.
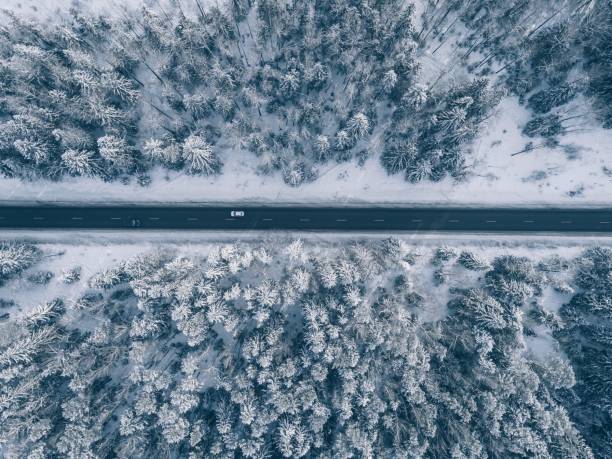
[(200, 156)]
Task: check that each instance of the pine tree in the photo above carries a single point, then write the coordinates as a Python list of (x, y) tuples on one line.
[(200, 157), (344, 141), (174, 427), (418, 171), (117, 152), (396, 159), (163, 151), (44, 314), (296, 172), (290, 83), (358, 126), (415, 98), (545, 100), (389, 80), (470, 261), (80, 162), (322, 148), (33, 150), (72, 275), (15, 258)]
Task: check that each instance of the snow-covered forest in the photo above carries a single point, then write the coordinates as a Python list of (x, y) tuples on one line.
[(320, 348), (299, 85), (362, 348)]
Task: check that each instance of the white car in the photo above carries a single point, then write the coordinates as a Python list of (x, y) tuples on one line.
[(237, 213)]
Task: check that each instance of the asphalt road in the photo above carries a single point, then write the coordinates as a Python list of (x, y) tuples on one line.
[(307, 218)]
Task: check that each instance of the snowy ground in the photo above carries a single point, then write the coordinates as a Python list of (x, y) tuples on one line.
[(572, 174)]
